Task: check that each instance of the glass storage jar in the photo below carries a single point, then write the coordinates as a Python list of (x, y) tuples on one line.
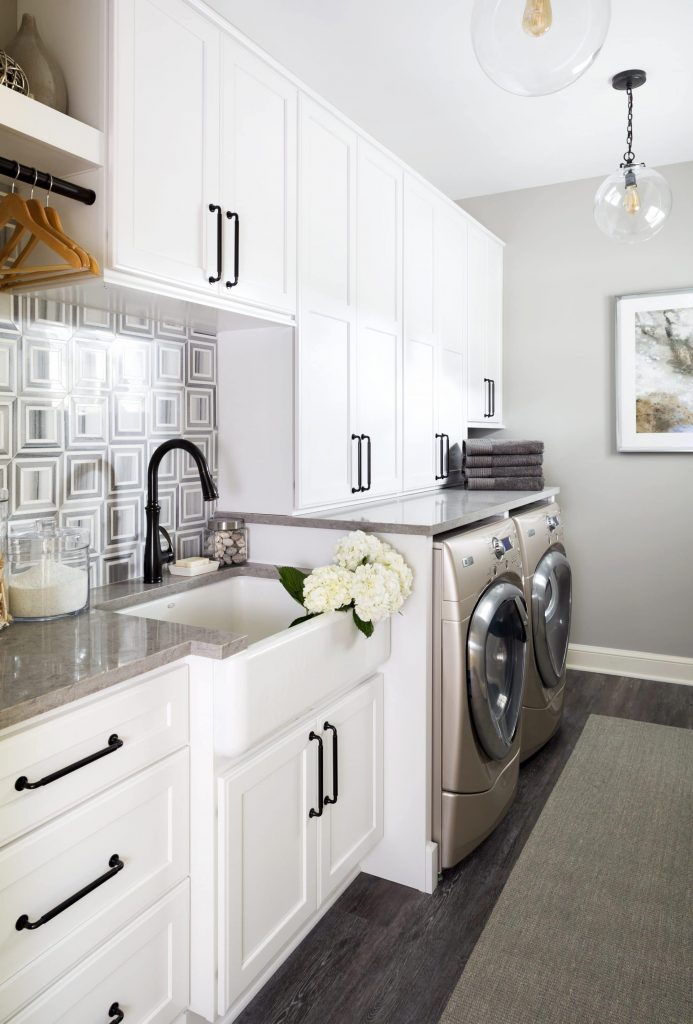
[(48, 571), (226, 540)]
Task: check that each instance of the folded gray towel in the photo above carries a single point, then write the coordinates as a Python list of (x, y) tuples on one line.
[(496, 471), (502, 461), (505, 483), (487, 446)]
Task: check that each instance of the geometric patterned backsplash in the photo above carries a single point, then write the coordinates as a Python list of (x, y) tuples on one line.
[(85, 398)]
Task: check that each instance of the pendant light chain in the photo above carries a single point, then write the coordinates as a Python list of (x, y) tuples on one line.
[(629, 155)]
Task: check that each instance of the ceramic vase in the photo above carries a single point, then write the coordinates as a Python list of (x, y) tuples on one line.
[(46, 80)]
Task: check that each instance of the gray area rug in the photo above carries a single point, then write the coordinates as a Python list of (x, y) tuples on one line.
[(595, 923)]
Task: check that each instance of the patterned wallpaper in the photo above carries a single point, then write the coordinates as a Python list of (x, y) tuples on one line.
[(85, 398)]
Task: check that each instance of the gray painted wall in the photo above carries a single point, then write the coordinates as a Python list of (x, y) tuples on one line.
[(629, 517)]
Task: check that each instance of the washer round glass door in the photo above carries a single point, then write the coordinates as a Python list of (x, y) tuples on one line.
[(496, 658), (551, 608)]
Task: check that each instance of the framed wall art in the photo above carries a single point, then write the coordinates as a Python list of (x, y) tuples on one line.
[(654, 372)]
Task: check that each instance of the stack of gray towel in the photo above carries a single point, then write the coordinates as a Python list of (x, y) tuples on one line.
[(503, 465)]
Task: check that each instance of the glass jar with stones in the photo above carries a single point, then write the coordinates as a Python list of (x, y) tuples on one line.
[(226, 540)]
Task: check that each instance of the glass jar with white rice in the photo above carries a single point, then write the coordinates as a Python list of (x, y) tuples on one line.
[(48, 571)]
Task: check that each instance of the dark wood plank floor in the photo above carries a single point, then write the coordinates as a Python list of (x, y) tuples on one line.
[(386, 954)]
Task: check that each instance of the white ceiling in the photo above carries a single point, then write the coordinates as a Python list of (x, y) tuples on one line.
[(404, 70)]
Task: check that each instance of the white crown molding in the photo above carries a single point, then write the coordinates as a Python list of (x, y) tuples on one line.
[(636, 664)]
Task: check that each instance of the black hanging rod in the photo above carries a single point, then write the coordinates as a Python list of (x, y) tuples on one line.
[(57, 186)]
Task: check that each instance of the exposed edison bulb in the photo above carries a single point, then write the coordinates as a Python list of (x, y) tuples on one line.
[(631, 200), (537, 18)]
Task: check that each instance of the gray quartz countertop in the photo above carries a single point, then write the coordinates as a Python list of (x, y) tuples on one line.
[(44, 665), (429, 513)]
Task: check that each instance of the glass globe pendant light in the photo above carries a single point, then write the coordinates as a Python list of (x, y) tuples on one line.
[(535, 47), (632, 204)]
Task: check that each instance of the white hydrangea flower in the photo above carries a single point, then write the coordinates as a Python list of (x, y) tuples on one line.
[(392, 560), (376, 592), (352, 549), (326, 589)]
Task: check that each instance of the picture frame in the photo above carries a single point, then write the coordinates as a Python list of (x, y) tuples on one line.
[(654, 372)]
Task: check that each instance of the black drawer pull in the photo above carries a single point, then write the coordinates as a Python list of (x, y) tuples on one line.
[(487, 398), (115, 1013), (335, 760), (359, 462), (23, 922), (213, 208), (313, 813), (236, 244), (439, 437), (369, 460), (445, 462), (114, 743)]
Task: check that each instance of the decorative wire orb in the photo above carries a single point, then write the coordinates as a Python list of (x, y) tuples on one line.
[(11, 75), (530, 49), (632, 204)]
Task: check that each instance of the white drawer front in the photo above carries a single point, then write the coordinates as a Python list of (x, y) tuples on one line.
[(145, 821), (150, 718), (144, 969)]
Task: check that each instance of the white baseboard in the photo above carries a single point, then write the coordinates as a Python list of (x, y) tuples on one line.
[(638, 664)]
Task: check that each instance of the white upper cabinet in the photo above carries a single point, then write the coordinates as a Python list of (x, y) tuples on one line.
[(165, 142), (420, 325), (258, 179), (327, 308), (204, 160), (378, 357), (435, 337), (485, 329)]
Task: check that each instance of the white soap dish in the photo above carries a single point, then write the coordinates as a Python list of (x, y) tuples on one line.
[(188, 567)]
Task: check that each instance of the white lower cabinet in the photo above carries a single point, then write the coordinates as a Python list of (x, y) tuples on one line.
[(288, 838), (67, 887), (142, 974)]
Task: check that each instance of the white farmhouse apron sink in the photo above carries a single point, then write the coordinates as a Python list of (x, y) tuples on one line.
[(283, 672)]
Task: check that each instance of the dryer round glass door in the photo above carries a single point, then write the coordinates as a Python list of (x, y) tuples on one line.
[(551, 608), (496, 658)]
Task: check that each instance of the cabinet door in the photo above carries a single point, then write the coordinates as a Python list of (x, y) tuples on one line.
[(451, 393), (494, 330), (258, 173), (165, 142), (352, 825), (478, 390), (378, 356), (420, 322), (267, 859), (326, 316)]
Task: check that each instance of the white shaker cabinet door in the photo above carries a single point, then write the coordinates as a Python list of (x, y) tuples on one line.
[(494, 336), (165, 142), (451, 399), (352, 823), (378, 373), (420, 341), (326, 455), (267, 859), (258, 173), (478, 386)]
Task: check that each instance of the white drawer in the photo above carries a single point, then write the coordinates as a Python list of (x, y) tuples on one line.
[(151, 719), (145, 821), (144, 969)]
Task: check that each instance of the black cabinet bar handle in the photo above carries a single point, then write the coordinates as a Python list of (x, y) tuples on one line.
[(321, 790), (493, 397), (359, 463), (236, 243), (335, 762), (445, 465), (487, 397), (115, 864), (439, 438), (213, 208), (114, 743), (115, 1013), (366, 437)]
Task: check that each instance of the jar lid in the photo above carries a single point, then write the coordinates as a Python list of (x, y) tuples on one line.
[(51, 538), (223, 521)]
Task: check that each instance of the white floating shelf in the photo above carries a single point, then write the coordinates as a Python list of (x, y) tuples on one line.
[(44, 138)]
